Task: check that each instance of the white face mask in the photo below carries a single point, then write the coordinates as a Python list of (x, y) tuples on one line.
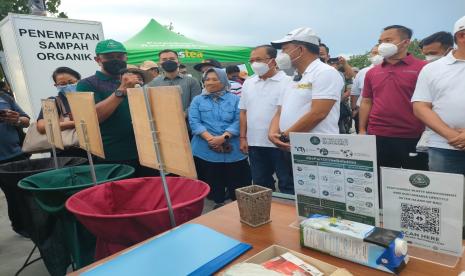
[(283, 60), (431, 58), (377, 59), (387, 50), (260, 68)]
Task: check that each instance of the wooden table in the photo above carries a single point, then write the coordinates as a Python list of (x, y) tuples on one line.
[(283, 214)]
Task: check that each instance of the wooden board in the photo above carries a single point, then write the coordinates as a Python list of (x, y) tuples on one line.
[(142, 130), (83, 109), (172, 133), (52, 123)]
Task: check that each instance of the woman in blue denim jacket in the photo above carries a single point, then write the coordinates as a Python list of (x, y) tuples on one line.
[(214, 120)]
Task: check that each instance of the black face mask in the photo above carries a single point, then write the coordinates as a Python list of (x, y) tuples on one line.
[(169, 66), (114, 66)]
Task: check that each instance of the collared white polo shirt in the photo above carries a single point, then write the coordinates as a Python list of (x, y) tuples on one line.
[(319, 81), (442, 83), (260, 99)]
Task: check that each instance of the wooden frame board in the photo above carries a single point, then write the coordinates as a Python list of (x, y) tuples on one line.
[(50, 113), (172, 133), (83, 109), (142, 129)]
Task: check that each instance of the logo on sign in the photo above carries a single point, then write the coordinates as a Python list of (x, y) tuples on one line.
[(315, 140), (419, 180), (190, 54)]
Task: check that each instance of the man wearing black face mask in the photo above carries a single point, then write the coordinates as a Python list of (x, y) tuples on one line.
[(112, 105), (189, 86)]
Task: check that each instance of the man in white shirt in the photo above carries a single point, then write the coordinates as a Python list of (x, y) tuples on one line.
[(439, 102), (357, 84), (311, 102), (258, 104)]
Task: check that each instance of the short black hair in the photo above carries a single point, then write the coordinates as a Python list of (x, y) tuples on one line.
[(404, 31), (167, 51), (270, 50), (326, 47), (65, 70), (2, 84), (445, 38), (182, 66), (312, 48), (232, 69)]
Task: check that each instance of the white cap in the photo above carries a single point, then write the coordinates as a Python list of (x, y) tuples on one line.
[(459, 25), (303, 34)]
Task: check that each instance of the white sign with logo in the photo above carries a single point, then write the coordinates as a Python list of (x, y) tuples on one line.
[(336, 175), (36, 45), (426, 206)]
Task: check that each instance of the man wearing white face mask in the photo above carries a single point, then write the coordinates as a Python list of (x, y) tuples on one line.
[(258, 104), (386, 110), (436, 45), (439, 102), (311, 102), (357, 85)]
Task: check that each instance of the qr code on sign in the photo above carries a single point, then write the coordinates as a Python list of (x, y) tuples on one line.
[(420, 218)]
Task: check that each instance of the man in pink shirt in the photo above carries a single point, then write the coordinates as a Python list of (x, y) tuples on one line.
[(386, 109)]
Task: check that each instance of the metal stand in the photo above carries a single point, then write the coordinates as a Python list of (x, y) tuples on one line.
[(52, 140), (156, 144), (27, 263), (89, 155)]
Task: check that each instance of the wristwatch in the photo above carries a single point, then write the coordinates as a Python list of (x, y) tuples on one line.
[(120, 93), (284, 138)]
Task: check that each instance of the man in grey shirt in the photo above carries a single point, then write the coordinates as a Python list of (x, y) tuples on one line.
[(189, 86)]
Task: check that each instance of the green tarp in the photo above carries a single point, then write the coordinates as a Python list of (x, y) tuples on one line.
[(147, 43)]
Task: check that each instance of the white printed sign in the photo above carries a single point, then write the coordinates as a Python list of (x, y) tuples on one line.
[(36, 45), (426, 206), (336, 175)]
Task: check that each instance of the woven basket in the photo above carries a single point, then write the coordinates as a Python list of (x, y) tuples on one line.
[(254, 204)]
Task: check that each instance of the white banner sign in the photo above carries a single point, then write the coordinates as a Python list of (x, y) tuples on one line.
[(36, 45), (336, 175), (426, 206)]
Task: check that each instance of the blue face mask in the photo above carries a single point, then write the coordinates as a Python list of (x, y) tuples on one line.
[(66, 88)]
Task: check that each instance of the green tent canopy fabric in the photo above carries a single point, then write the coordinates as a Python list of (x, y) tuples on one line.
[(147, 43)]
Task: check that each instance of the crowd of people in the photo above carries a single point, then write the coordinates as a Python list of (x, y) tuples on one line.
[(240, 125)]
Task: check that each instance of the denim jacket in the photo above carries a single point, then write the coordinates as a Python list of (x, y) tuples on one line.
[(215, 116)]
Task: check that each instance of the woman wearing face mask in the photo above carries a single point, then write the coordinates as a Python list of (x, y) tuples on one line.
[(65, 80), (214, 120)]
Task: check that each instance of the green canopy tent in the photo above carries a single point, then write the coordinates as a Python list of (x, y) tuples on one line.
[(147, 43)]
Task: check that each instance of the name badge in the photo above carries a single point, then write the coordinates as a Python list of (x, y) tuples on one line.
[(304, 85)]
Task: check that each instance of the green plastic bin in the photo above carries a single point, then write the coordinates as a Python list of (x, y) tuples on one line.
[(51, 189)]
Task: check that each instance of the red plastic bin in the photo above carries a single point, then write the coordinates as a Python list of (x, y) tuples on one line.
[(125, 212)]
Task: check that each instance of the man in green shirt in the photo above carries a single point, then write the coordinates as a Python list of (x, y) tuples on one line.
[(112, 105)]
